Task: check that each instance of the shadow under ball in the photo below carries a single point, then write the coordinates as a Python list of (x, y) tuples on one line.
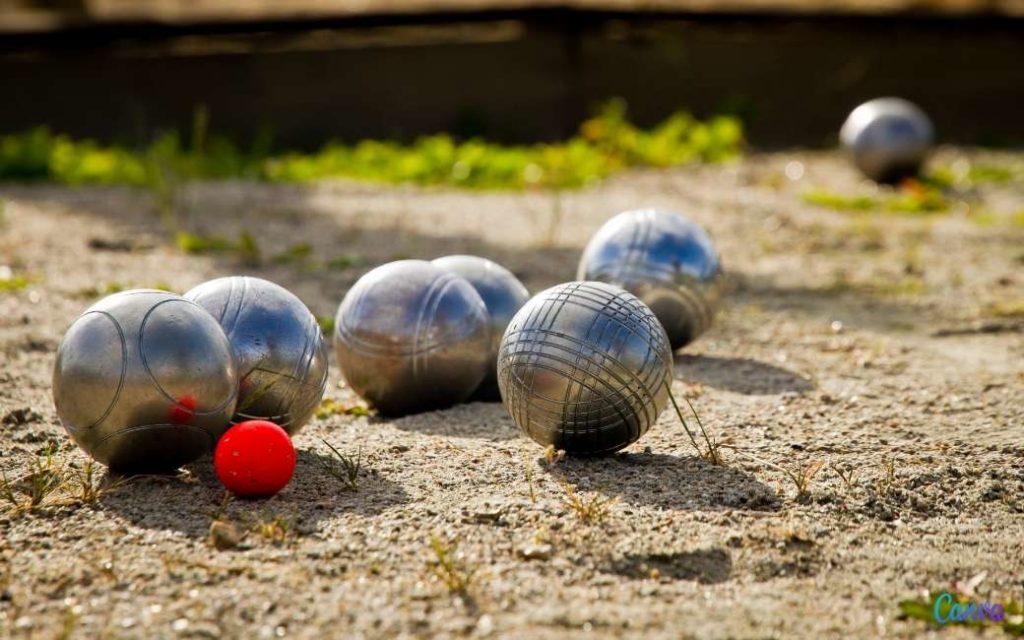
[(503, 294), (411, 337), (664, 259), (280, 349), (584, 366), (145, 381), (887, 138)]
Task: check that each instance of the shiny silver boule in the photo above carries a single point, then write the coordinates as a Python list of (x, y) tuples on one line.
[(145, 381), (585, 366), (411, 336), (502, 294), (888, 138), (280, 349), (665, 260)]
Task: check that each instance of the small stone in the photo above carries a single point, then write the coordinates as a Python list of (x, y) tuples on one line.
[(224, 535), (536, 552), (485, 625)]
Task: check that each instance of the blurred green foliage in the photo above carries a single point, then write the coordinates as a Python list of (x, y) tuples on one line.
[(911, 197), (605, 144)]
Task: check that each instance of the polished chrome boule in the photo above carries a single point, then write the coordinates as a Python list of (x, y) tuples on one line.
[(281, 352), (585, 366), (145, 381), (502, 294), (888, 138), (665, 260), (411, 336)]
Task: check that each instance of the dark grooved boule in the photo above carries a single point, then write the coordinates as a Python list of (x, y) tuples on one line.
[(502, 294), (145, 381), (888, 138), (665, 260), (584, 366), (281, 352), (411, 336)]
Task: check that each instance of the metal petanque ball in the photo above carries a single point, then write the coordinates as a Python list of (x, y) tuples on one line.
[(502, 294), (888, 138), (145, 381), (665, 260), (411, 336), (584, 366), (281, 352)]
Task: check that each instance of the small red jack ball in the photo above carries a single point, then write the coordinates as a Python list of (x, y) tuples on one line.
[(254, 459)]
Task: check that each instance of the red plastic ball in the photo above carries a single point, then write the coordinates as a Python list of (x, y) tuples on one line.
[(254, 459)]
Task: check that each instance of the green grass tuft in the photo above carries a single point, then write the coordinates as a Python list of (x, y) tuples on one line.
[(604, 145)]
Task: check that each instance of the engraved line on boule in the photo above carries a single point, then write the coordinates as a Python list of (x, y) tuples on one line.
[(124, 363), (149, 371), (143, 427), (435, 294)]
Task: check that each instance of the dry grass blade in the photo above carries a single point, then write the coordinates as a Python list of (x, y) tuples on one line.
[(591, 510), (801, 476), (344, 468), (713, 453), (553, 456), (454, 573), (274, 530)]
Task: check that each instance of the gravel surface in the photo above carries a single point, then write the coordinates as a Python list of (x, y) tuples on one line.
[(883, 352)]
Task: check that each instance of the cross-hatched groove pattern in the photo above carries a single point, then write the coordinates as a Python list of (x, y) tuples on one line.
[(583, 366)]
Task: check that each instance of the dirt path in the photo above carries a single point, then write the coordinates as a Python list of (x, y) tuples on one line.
[(891, 348)]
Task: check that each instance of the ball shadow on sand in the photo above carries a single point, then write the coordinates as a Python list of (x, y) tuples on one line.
[(188, 503), (739, 375), (711, 565), (482, 420), (668, 482)]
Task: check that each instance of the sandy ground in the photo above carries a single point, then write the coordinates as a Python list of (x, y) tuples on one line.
[(879, 345)]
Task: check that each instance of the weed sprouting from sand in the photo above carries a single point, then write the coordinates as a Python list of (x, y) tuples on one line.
[(802, 475), (885, 484), (273, 529), (343, 467), (330, 407), (49, 482), (553, 456), (454, 572), (529, 480), (86, 488), (593, 509), (220, 511), (28, 492), (847, 475), (713, 454)]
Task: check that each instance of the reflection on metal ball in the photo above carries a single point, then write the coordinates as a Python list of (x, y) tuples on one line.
[(584, 366), (145, 381), (665, 260), (281, 352), (502, 294), (888, 138), (411, 336)]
